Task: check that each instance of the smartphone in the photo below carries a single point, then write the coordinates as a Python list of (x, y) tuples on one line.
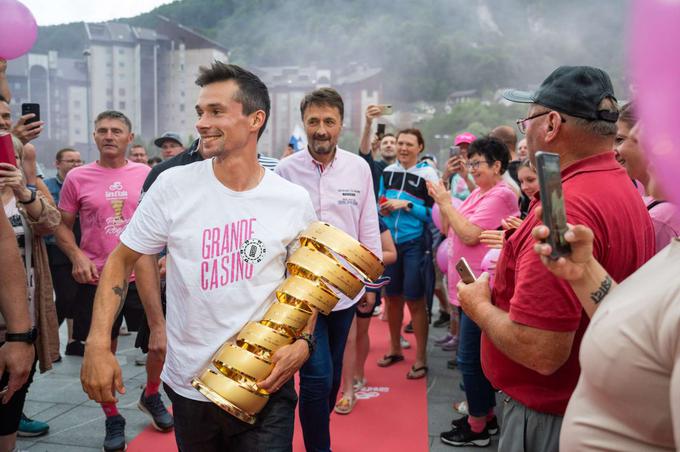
[(552, 200), (386, 110), (7, 150), (454, 151), (381, 131), (465, 272), (31, 108)]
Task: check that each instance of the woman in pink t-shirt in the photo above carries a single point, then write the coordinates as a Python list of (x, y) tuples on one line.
[(487, 205), (665, 216)]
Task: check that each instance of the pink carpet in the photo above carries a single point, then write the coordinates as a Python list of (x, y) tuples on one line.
[(391, 414)]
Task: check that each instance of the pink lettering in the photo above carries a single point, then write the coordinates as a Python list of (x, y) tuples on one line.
[(224, 280), (215, 243), (204, 279), (213, 276), (205, 248)]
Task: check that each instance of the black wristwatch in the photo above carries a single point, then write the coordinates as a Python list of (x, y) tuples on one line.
[(409, 206), (29, 336), (33, 195), (311, 342)]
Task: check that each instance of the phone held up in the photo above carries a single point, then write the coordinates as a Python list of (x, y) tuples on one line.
[(454, 151), (381, 131), (552, 200), (7, 150), (31, 108), (385, 110), (465, 272)]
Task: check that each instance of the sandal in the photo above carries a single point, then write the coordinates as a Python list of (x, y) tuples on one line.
[(388, 360), (345, 405), (359, 384), (417, 373)]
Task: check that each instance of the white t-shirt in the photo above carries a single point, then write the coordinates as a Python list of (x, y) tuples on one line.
[(226, 256)]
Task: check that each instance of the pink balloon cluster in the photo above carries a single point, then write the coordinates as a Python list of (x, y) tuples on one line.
[(18, 31), (655, 67)]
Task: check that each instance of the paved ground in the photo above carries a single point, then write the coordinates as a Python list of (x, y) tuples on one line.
[(77, 424)]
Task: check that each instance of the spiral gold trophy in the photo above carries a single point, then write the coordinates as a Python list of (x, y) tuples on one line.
[(321, 262)]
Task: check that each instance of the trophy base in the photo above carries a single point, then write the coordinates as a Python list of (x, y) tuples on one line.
[(222, 402)]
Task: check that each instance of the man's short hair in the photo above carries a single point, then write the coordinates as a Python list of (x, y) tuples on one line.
[(416, 132), (507, 135), (61, 152), (323, 97), (388, 134), (137, 146), (252, 93), (113, 114), (599, 127)]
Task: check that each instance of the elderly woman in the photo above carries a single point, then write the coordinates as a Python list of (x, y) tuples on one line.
[(32, 214), (485, 208)]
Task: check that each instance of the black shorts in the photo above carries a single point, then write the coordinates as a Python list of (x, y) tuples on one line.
[(10, 413), (65, 287), (142, 339), (369, 314), (132, 311)]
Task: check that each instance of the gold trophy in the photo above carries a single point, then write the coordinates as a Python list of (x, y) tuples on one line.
[(319, 264)]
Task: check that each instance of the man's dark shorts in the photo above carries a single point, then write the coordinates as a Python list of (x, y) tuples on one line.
[(204, 427), (405, 274), (10, 413), (82, 319)]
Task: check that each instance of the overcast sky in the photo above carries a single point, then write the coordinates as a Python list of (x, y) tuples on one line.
[(52, 12)]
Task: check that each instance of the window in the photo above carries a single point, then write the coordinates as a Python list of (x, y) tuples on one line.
[(109, 91), (121, 105), (121, 64), (76, 131), (181, 107), (121, 91), (109, 104), (121, 52), (76, 103)]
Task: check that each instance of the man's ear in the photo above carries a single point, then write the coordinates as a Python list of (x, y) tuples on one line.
[(553, 126), (257, 119)]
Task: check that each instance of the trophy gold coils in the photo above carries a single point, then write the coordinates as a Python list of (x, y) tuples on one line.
[(316, 270)]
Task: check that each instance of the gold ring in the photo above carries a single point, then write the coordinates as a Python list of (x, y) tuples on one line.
[(312, 264)]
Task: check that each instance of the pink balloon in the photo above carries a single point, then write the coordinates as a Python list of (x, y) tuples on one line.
[(437, 214), (18, 31), (655, 66), (443, 255)]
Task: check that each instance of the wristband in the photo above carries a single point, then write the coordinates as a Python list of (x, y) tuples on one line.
[(29, 336), (311, 342), (33, 195)]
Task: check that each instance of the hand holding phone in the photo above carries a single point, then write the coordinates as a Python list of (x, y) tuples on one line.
[(31, 108), (465, 272), (381, 131), (552, 202), (7, 150), (454, 151)]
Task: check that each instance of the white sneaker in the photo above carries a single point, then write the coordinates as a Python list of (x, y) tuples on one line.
[(404, 343), (377, 311), (123, 331)]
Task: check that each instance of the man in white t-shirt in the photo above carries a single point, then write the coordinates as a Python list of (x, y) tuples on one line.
[(205, 213)]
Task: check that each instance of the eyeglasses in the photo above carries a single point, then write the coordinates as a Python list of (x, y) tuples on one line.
[(72, 162), (522, 123), (475, 165)]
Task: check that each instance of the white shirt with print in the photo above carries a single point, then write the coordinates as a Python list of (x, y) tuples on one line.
[(226, 256)]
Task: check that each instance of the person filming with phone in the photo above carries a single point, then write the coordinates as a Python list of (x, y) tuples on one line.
[(485, 208), (532, 323)]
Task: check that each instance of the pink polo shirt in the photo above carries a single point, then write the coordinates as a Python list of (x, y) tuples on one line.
[(485, 210), (342, 195)]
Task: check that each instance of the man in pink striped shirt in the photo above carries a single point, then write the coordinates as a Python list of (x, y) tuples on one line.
[(341, 189)]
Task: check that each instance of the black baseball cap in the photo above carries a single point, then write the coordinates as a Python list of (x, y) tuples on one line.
[(574, 90), (172, 136)]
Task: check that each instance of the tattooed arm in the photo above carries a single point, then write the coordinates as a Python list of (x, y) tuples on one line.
[(100, 374), (589, 280)]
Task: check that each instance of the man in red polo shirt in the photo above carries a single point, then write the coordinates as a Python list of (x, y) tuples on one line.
[(533, 323)]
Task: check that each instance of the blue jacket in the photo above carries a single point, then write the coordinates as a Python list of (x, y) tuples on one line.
[(408, 184)]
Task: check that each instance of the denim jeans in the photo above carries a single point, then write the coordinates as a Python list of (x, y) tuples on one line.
[(320, 378), (205, 427), (481, 396)]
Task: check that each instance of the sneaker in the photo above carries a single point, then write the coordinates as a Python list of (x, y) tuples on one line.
[(491, 426), (450, 346), (75, 348), (443, 340), (124, 331), (408, 328), (464, 436), (443, 320), (30, 427), (153, 406), (140, 360), (115, 434), (404, 343), (377, 311)]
